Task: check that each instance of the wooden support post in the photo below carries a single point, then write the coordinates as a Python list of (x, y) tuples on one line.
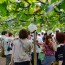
[(35, 56)]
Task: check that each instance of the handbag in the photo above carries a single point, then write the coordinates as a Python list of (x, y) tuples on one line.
[(41, 56)]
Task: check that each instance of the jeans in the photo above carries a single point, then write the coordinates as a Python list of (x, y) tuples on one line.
[(48, 60), (8, 59)]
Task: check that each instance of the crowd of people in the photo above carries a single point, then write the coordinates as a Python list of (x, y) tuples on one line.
[(19, 50)]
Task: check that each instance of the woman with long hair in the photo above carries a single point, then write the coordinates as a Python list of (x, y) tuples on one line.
[(49, 50)]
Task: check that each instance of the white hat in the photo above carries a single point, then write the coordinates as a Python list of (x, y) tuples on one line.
[(0, 36), (39, 33), (49, 32), (32, 27), (57, 29), (43, 31), (53, 34)]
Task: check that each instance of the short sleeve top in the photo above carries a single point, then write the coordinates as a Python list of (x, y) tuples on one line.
[(48, 50), (60, 53)]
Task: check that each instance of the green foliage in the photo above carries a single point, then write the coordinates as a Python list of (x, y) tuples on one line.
[(62, 5), (52, 1), (16, 15), (2, 1), (3, 10)]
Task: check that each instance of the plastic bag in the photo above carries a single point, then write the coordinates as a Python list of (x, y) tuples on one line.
[(41, 56)]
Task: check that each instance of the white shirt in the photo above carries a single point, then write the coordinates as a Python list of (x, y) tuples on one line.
[(6, 42), (19, 53)]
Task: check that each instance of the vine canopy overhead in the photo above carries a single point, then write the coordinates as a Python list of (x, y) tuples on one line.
[(15, 14)]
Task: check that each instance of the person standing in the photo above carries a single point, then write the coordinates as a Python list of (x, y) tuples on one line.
[(49, 50), (8, 48), (7, 45), (21, 49), (60, 53)]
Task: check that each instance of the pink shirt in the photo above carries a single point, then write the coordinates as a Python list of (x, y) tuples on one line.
[(48, 50)]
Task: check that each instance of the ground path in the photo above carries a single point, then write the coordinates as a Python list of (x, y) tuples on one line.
[(2, 60)]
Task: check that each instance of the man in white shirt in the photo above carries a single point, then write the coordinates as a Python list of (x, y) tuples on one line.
[(6, 44)]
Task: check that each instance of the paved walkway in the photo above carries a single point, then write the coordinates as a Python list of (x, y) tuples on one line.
[(2, 61)]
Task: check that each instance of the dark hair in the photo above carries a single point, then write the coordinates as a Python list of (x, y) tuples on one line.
[(23, 34), (10, 34), (28, 32), (4, 32), (60, 37), (45, 34), (46, 39)]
